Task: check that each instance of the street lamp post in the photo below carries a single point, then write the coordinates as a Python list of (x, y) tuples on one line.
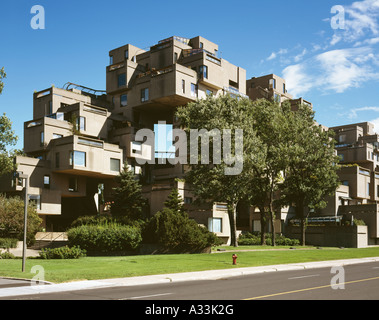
[(26, 201)]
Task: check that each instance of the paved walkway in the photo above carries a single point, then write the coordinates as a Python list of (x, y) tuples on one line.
[(167, 278)]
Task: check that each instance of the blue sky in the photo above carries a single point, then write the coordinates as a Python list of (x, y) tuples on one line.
[(336, 69)]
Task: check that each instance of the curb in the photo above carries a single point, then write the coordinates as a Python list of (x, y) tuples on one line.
[(175, 277)]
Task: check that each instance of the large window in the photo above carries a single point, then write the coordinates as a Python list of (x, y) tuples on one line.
[(144, 94), (215, 224), (121, 79), (164, 147), (115, 165), (78, 158), (203, 70), (124, 100)]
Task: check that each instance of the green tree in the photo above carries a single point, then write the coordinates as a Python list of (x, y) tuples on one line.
[(210, 181), (270, 123), (128, 199), (175, 201), (172, 228), (8, 138), (3, 75), (12, 219), (311, 173)]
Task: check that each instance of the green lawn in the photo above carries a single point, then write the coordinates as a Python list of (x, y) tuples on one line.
[(92, 268)]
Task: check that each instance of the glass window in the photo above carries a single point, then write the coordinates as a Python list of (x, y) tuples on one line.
[(187, 200), (36, 199), (183, 86), (81, 124), (193, 90), (124, 100), (209, 92), (57, 136), (126, 54), (121, 79), (46, 182), (77, 158), (60, 116), (115, 165), (272, 84), (42, 139), (215, 224), (144, 94), (203, 70), (164, 148), (111, 60), (73, 184)]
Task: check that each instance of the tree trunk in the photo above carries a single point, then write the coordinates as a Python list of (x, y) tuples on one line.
[(272, 221), (263, 226), (300, 212), (232, 212)]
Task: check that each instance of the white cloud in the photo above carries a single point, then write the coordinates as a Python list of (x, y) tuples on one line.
[(361, 19), (353, 114), (331, 71), (375, 122), (274, 55), (300, 55)]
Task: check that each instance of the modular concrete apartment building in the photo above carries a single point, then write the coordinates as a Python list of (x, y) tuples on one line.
[(79, 138)]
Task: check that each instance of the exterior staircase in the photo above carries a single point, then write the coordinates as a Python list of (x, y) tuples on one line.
[(50, 240)]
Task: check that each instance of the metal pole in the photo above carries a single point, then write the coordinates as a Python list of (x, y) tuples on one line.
[(26, 201)]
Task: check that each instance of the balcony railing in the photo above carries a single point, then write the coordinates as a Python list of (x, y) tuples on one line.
[(235, 92)]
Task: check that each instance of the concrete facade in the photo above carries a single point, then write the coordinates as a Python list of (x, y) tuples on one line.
[(79, 138)]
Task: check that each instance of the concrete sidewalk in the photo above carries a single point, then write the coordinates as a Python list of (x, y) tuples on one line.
[(174, 277)]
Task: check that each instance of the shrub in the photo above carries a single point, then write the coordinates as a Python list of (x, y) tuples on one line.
[(7, 243), (254, 239), (7, 255), (12, 219), (175, 230), (62, 253), (107, 237)]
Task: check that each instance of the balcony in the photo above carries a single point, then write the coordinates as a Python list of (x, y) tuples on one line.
[(165, 87), (85, 156)]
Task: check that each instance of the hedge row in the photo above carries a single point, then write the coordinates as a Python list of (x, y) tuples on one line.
[(254, 239), (106, 237)]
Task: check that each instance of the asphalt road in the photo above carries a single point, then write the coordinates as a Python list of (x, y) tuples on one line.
[(353, 282)]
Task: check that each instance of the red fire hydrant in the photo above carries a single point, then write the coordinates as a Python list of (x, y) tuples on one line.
[(234, 256)]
